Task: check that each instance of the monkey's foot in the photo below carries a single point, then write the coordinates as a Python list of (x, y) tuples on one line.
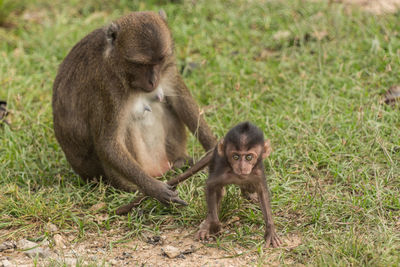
[(165, 193), (271, 238), (207, 230)]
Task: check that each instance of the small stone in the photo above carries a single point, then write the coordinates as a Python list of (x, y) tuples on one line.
[(189, 249), (281, 35), (70, 261), (32, 249), (7, 245), (113, 262), (26, 244), (171, 252), (5, 263), (52, 228), (98, 206), (100, 218), (59, 241), (40, 252)]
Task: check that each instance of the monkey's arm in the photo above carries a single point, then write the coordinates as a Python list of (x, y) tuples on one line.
[(270, 235), (119, 162), (188, 111)]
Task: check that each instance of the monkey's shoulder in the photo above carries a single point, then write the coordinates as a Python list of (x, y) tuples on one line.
[(87, 52)]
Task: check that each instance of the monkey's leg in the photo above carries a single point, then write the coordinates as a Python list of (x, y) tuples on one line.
[(117, 181), (270, 235), (175, 144), (85, 166), (211, 225)]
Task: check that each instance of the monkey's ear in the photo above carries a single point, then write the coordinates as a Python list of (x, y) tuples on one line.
[(163, 15), (111, 33), (267, 149), (220, 147)]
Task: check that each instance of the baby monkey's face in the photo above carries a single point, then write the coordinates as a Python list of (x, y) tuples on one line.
[(243, 161)]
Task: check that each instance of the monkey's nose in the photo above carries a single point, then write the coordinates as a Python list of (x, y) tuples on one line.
[(151, 83)]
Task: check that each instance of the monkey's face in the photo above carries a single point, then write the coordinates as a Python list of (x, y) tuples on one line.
[(243, 161), (142, 46), (145, 76), (144, 71)]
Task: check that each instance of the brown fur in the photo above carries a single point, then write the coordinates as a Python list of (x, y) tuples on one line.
[(120, 106), (229, 165)]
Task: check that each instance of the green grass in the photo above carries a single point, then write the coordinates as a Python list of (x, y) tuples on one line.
[(335, 170)]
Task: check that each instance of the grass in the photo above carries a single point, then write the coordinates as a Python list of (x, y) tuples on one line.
[(315, 91)]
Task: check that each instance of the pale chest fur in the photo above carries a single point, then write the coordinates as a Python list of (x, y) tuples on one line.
[(146, 133)]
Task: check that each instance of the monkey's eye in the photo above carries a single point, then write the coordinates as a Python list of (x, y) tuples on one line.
[(235, 157), (249, 157)]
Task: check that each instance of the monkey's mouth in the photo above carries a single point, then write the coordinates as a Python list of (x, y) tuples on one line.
[(147, 90), (243, 172)]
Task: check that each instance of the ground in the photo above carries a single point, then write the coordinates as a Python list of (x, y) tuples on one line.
[(148, 251)]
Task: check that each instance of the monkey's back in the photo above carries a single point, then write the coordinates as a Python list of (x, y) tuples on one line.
[(73, 95)]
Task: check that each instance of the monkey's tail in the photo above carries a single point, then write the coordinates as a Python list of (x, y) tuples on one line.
[(201, 164)]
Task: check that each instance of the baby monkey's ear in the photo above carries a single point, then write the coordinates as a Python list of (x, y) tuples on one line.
[(267, 149)]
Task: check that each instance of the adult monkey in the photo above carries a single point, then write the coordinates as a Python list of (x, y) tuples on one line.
[(120, 106)]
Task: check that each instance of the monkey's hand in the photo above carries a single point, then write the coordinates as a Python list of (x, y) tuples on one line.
[(164, 193), (208, 228), (271, 238)]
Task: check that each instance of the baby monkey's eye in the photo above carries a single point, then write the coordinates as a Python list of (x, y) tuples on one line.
[(235, 157), (249, 157)]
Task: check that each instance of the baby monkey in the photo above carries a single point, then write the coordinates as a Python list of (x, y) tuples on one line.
[(238, 159)]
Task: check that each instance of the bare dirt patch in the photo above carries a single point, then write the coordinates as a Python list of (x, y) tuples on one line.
[(172, 248)]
